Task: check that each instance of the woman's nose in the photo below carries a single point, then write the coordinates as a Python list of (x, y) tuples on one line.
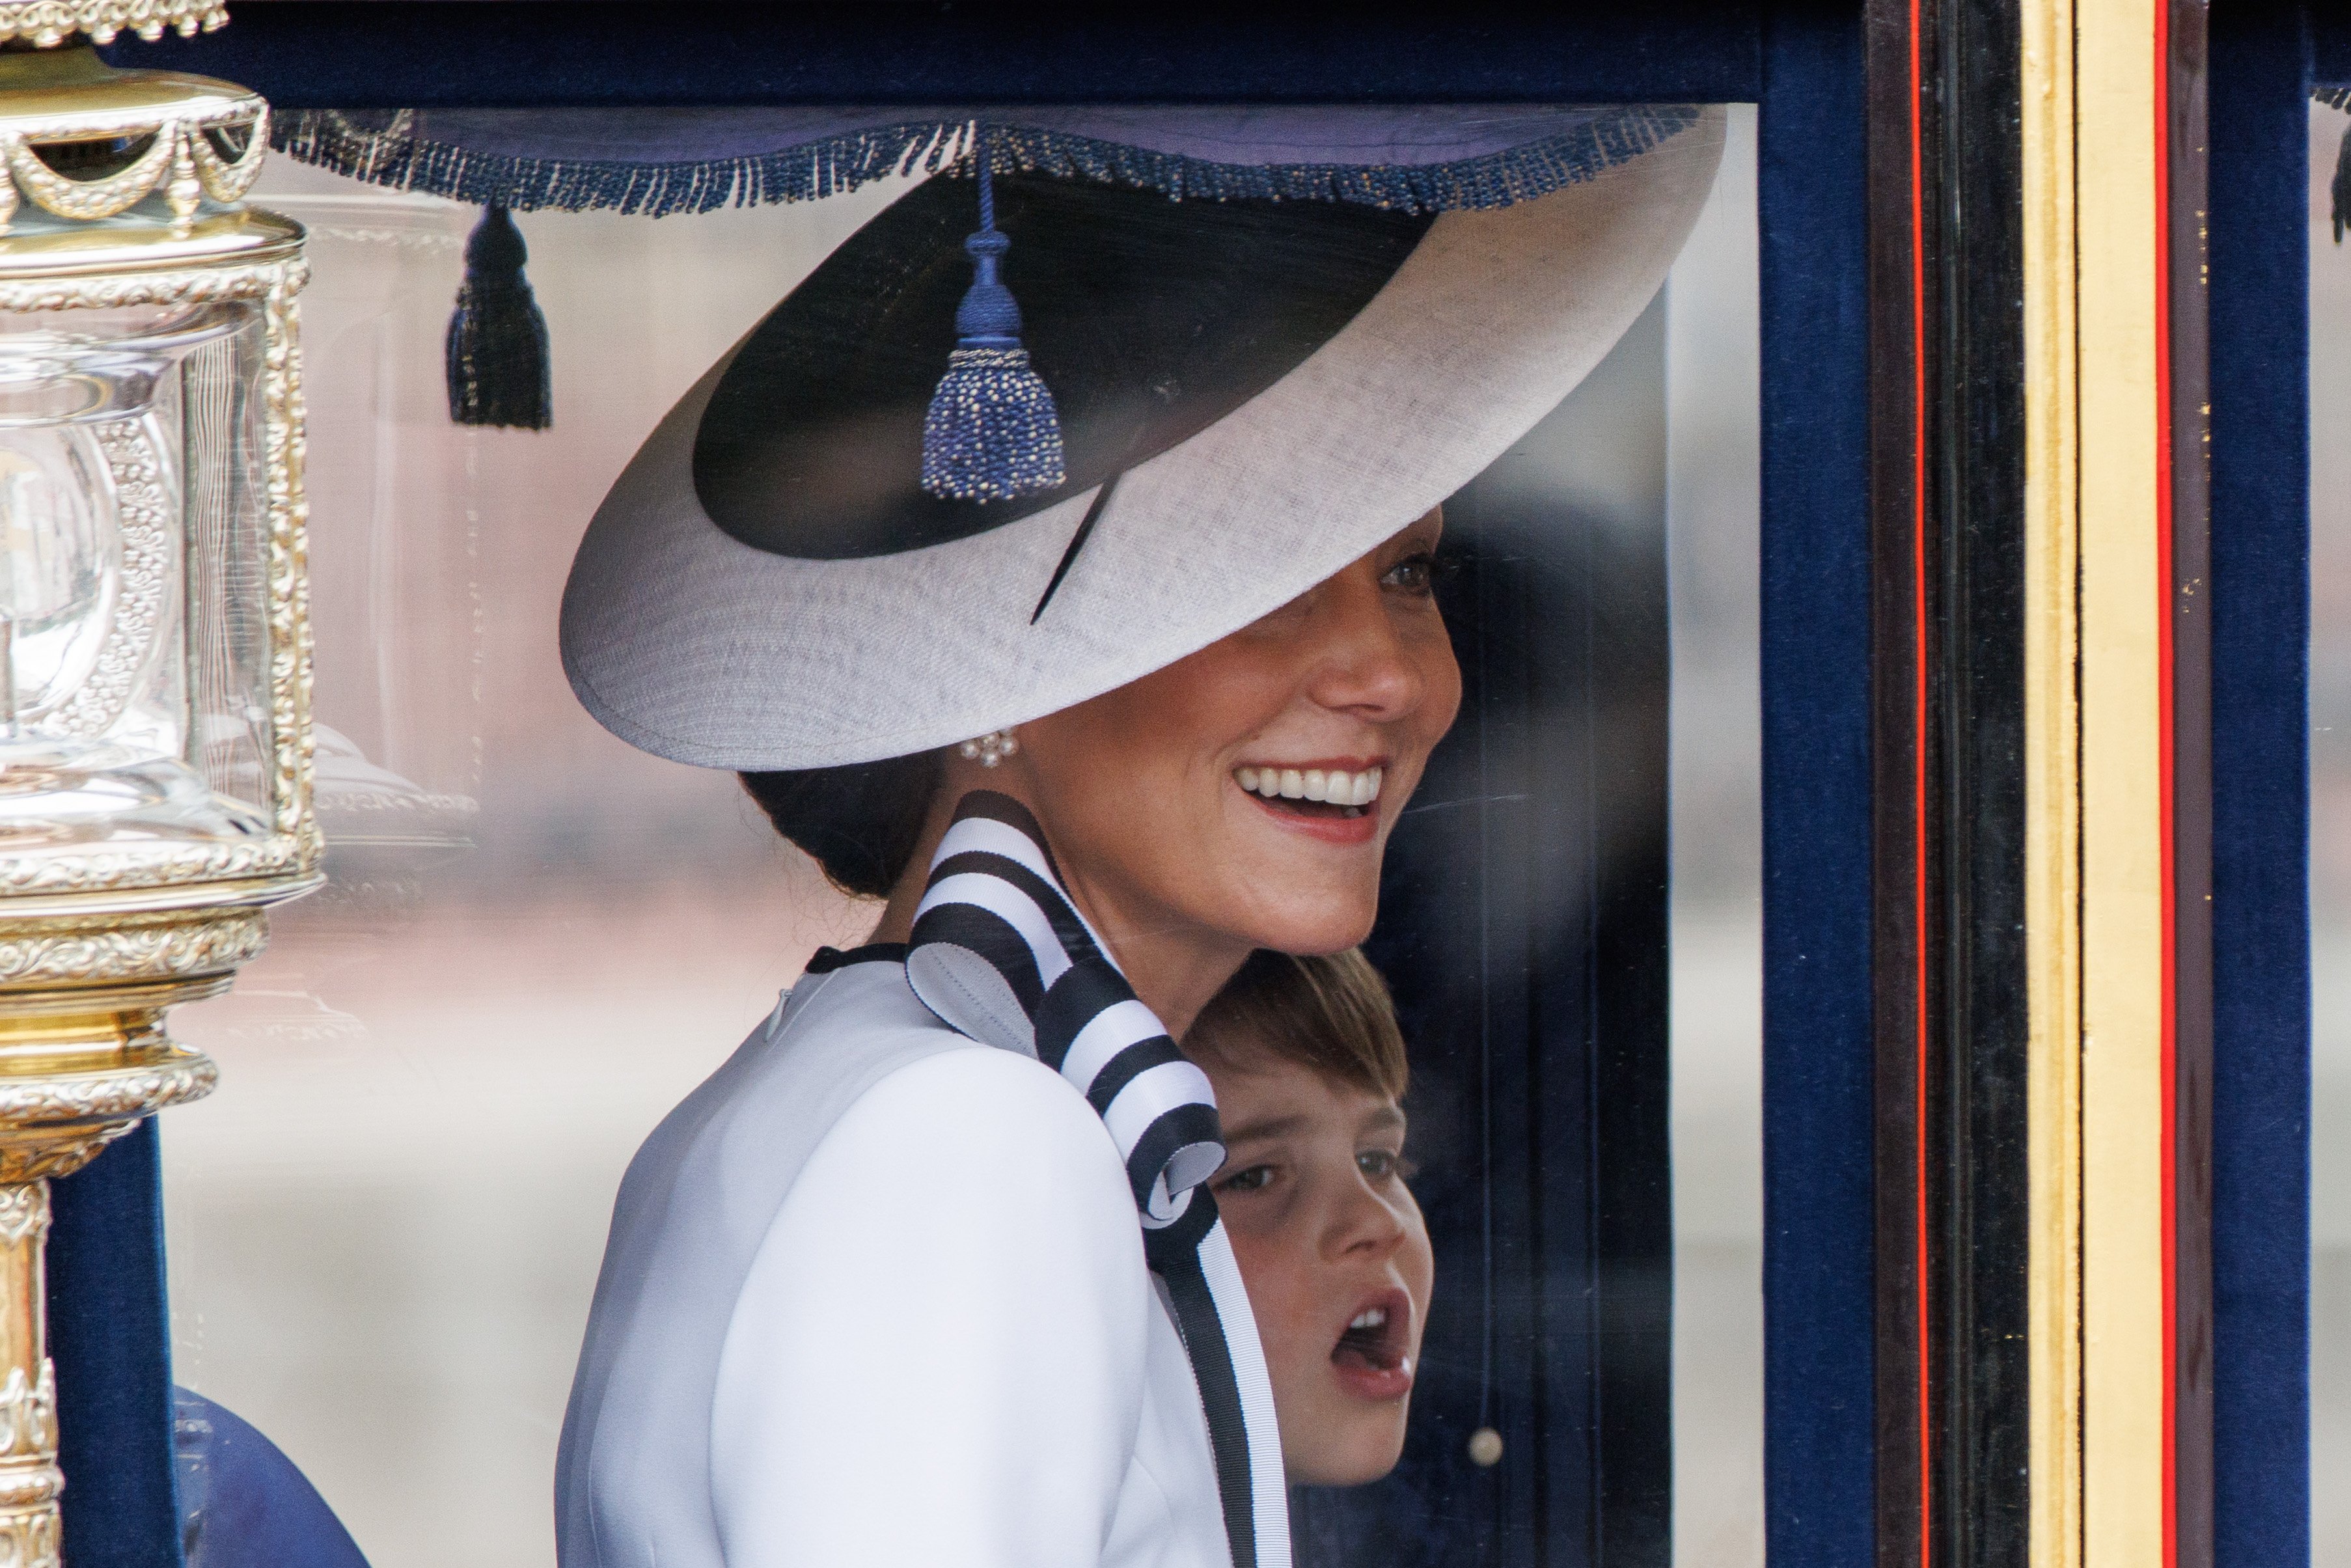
[(1363, 666)]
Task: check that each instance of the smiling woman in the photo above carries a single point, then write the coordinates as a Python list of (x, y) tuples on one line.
[(1109, 658)]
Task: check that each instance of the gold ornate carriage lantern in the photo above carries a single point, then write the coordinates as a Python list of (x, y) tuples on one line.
[(154, 660)]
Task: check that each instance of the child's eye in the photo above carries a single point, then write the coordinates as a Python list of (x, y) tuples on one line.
[(1380, 1164), (1253, 1179)]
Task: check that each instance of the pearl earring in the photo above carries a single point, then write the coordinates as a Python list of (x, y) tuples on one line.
[(991, 748)]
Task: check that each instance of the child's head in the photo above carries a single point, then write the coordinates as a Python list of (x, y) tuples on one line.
[(1308, 1068)]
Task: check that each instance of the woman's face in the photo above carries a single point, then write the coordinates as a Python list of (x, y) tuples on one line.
[(1335, 1256), (1247, 792)]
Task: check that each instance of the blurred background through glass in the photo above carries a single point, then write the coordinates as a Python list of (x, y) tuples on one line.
[(2330, 856), (385, 1228)]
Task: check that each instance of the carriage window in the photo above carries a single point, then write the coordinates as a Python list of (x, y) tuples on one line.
[(385, 1228), (2330, 858)]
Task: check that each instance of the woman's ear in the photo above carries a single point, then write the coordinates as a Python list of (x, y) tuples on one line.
[(963, 768)]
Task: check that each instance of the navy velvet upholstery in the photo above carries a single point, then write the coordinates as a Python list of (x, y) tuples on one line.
[(2330, 47), (2260, 810), (1817, 1063), (110, 1337), (353, 54)]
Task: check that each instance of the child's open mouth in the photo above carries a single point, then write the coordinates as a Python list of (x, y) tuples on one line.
[(1369, 1356), (1340, 793)]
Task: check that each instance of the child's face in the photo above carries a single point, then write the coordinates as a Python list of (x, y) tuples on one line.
[(1336, 1259)]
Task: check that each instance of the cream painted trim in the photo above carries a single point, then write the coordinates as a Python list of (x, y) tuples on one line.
[(2122, 603), (2052, 863)]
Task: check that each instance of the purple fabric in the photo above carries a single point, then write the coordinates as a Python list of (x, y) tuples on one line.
[(244, 1504)]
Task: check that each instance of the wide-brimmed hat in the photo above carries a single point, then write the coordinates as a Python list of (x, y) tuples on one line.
[(1240, 392)]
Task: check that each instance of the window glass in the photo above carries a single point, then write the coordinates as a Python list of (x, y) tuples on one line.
[(2330, 843), (385, 1228)]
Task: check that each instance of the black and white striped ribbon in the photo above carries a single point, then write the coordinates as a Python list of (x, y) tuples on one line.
[(1002, 956)]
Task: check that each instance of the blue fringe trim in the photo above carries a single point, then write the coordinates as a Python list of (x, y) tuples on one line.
[(395, 156), (391, 154), (1500, 178)]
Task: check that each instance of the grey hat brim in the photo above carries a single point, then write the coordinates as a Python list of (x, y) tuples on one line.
[(689, 645)]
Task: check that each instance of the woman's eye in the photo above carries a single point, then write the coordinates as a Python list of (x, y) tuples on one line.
[(1253, 1179), (1415, 574), (1379, 1164)]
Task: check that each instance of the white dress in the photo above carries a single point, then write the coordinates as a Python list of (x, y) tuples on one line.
[(875, 1298)]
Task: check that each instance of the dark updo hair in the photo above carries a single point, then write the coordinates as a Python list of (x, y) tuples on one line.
[(861, 823)]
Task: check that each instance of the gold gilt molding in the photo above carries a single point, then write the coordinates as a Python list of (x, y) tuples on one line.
[(2095, 858), (23, 1211), (195, 287), (78, 1115), (129, 947), (84, 142), (102, 932), (29, 1478), (29, 1482), (2052, 865), (291, 650), (181, 160), (98, 1060), (46, 24)]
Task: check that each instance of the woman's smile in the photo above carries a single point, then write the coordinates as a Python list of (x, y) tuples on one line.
[(1335, 801)]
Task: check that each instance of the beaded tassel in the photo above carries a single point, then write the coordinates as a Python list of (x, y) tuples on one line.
[(992, 432)]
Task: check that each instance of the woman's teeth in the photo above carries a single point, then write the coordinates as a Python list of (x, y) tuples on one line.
[(1371, 1318), (1336, 787)]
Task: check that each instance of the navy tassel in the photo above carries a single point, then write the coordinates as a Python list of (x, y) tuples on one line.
[(992, 432), (497, 338), (2342, 192)]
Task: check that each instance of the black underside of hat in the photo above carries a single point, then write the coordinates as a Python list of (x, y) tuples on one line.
[(1148, 318)]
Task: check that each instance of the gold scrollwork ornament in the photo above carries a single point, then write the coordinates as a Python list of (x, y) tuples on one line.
[(24, 1212), (46, 24), (28, 1412), (180, 159), (155, 947)]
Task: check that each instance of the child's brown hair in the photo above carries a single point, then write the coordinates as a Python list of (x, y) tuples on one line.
[(1330, 1015)]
